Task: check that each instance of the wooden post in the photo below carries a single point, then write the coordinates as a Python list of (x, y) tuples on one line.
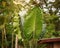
[(50, 45), (57, 45)]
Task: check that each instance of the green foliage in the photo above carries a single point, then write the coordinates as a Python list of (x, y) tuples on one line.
[(51, 21), (32, 26), (33, 23), (7, 10)]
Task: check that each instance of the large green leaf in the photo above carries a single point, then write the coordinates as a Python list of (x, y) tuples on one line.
[(33, 23)]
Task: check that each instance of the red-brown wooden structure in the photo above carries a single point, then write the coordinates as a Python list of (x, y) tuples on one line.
[(51, 42)]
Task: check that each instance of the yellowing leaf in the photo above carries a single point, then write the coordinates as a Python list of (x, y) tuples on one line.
[(3, 3)]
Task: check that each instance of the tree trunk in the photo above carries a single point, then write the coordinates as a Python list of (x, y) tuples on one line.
[(2, 38), (12, 40), (16, 42)]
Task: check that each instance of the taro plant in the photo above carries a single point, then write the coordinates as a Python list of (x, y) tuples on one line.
[(32, 27)]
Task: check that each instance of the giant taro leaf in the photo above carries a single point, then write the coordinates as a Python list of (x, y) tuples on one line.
[(33, 23)]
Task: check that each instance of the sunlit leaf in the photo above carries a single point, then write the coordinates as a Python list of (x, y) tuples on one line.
[(33, 23)]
